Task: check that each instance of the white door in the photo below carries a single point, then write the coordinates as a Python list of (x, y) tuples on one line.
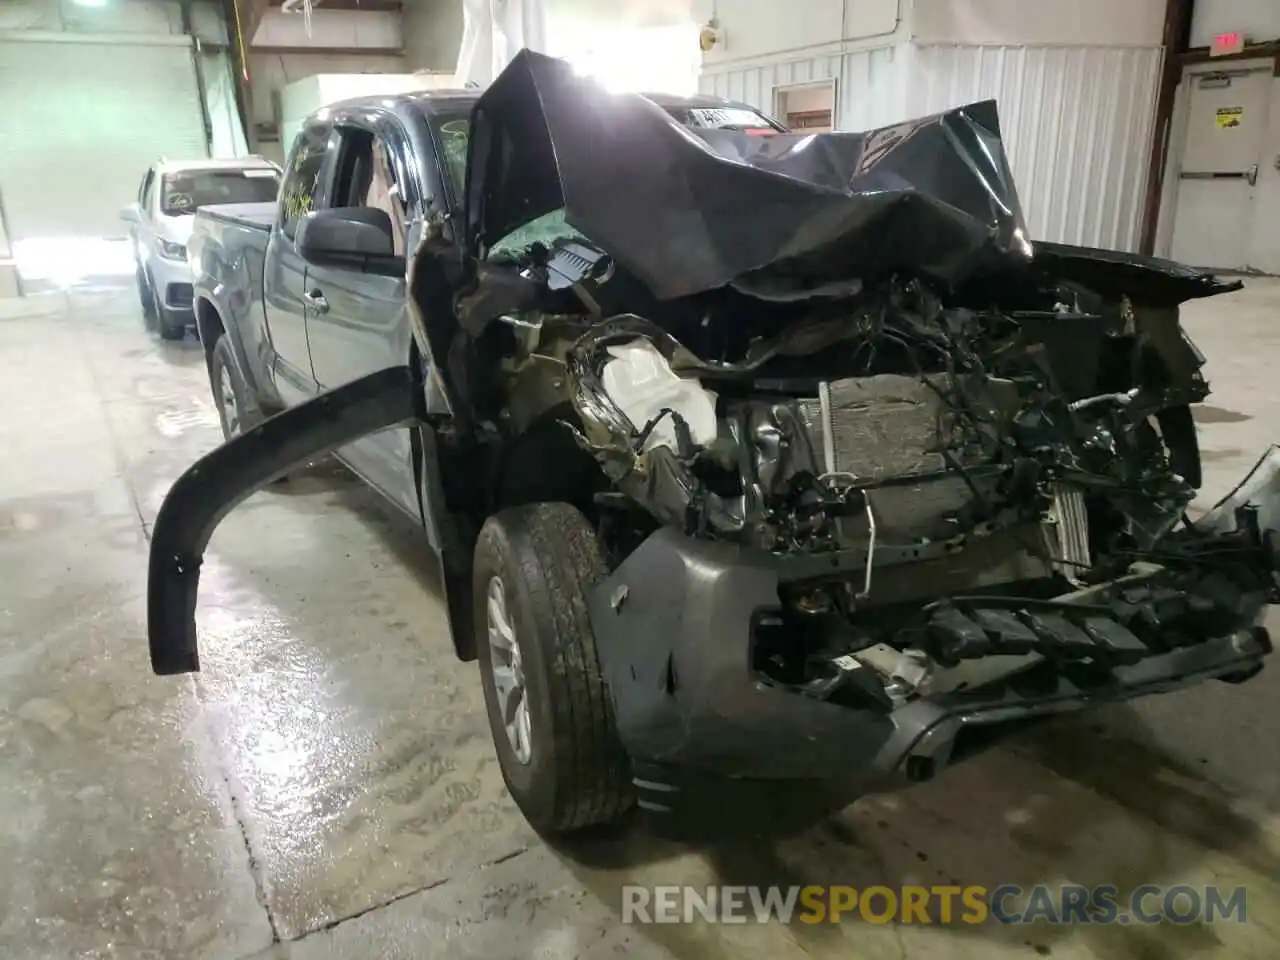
[(1265, 249), (1218, 176), (80, 123)]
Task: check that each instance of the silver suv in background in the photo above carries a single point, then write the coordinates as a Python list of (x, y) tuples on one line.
[(160, 225)]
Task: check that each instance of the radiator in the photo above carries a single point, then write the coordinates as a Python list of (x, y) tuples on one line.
[(1067, 532), (887, 426)]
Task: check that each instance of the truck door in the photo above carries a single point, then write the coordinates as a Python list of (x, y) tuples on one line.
[(284, 273), (357, 322)]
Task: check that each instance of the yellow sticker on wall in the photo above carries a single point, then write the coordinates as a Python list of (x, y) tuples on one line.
[(1229, 116)]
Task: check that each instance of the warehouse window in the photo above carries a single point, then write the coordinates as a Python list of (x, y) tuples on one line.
[(807, 108)]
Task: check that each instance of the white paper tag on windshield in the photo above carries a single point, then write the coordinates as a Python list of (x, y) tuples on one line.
[(260, 174)]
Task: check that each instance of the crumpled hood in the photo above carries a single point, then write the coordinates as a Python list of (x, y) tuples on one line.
[(779, 215)]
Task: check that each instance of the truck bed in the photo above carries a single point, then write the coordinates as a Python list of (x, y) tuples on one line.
[(255, 216), (227, 251)]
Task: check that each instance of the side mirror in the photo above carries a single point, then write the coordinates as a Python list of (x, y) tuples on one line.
[(354, 237), (131, 214)]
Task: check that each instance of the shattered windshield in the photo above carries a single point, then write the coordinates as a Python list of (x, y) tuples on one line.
[(544, 229), (453, 134)]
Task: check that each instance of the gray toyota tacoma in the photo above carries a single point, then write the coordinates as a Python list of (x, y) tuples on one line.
[(770, 459)]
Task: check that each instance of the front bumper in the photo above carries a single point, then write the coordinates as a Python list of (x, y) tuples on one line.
[(674, 623), (171, 280), (672, 626)]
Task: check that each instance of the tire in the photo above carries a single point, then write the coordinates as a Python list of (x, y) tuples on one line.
[(229, 388), (542, 559), (173, 326), (170, 325)]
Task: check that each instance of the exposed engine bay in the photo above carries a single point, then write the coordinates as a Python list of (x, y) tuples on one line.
[(936, 443), (978, 477)]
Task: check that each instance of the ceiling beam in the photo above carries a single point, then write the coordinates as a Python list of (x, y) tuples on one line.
[(373, 6)]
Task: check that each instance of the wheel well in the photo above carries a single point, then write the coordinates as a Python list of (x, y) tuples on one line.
[(208, 326), (545, 464), (472, 481)]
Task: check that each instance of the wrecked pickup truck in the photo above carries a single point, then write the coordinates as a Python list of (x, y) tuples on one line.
[(786, 458)]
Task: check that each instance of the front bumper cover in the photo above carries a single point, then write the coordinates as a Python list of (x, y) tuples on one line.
[(169, 273), (673, 626)]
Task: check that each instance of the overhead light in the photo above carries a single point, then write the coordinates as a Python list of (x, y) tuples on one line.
[(91, 3)]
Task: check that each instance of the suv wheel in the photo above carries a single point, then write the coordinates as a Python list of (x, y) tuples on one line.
[(172, 326), (549, 708)]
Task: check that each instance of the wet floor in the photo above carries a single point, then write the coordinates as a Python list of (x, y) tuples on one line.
[(326, 786)]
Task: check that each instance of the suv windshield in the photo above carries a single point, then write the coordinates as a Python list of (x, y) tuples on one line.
[(724, 118), (181, 193)]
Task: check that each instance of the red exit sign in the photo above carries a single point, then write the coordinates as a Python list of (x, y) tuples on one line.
[(1226, 43)]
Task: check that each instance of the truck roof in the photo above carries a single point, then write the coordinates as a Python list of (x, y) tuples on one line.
[(241, 163), (430, 100)]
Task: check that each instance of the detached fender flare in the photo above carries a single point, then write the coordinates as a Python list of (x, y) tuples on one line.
[(451, 536), (222, 478)]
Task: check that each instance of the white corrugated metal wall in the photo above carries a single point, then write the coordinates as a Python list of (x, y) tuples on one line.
[(274, 71), (1077, 123), (1077, 120), (869, 84)]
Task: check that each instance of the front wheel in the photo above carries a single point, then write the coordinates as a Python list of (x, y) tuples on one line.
[(173, 326), (549, 708), (230, 392), (170, 324)]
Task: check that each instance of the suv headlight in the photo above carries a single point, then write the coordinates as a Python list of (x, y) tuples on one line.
[(172, 251)]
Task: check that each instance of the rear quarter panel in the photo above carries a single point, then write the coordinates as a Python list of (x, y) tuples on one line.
[(227, 257)]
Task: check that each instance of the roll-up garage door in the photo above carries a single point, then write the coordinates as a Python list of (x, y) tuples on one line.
[(80, 122)]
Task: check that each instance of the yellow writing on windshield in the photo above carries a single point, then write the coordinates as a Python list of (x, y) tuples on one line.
[(296, 205)]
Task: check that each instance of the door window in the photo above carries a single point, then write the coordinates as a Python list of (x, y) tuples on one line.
[(300, 193), (367, 178)]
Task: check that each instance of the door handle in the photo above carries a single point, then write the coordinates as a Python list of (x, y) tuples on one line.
[(1251, 175), (315, 299)]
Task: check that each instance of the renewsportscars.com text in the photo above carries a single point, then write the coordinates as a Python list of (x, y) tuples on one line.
[(1007, 904)]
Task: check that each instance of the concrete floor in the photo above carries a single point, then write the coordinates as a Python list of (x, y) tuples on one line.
[(326, 786)]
